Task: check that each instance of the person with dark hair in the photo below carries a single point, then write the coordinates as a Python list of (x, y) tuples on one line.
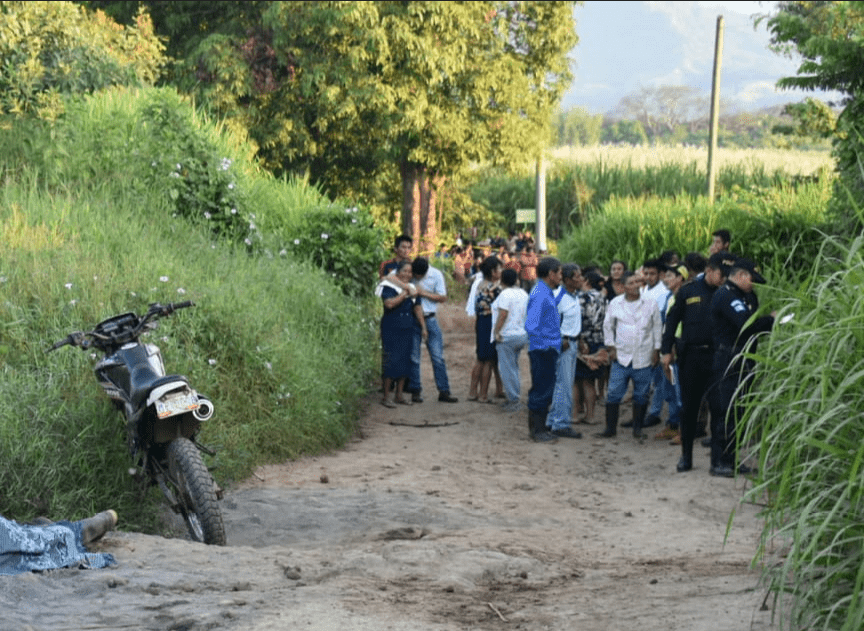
[(543, 326), (732, 307), (614, 285), (402, 250), (397, 331), (655, 289), (695, 262), (528, 268), (691, 311), (508, 330), (592, 357), (487, 292), (560, 414), (432, 291), (631, 331), (720, 241)]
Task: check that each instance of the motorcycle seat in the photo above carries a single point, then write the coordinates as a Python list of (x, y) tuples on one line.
[(145, 380)]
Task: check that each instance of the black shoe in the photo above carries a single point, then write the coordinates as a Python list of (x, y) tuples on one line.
[(544, 437), (743, 469), (628, 424), (706, 442), (416, 398), (606, 434), (722, 471), (651, 420), (567, 432), (684, 465), (446, 397)]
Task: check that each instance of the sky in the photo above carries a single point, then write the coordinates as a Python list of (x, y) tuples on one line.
[(626, 45)]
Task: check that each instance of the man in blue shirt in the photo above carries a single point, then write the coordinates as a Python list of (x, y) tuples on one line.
[(543, 326)]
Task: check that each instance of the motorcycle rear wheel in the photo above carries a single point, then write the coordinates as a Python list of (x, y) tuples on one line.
[(196, 493)]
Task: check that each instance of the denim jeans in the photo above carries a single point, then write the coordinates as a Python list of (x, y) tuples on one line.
[(543, 365), (618, 377), (509, 349), (561, 412), (435, 346), (665, 392)]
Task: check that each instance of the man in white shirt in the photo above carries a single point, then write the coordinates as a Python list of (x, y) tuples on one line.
[(508, 332), (653, 269), (432, 291), (632, 334), (561, 412)]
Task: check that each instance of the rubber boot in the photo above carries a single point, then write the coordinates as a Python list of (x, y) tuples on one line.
[(639, 410), (541, 433), (94, 527), (611, 421)]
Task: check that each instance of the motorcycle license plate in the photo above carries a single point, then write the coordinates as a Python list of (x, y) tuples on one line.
[(178, 403)]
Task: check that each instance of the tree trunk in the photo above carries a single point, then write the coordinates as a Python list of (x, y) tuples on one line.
[(420, 206)]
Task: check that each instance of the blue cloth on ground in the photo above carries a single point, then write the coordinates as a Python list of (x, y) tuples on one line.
[(25, 548)]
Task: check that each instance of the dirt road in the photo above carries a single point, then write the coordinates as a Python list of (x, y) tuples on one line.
[(438, 517)]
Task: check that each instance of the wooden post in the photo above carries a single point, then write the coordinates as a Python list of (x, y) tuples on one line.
[(540, 205), (715, 107)]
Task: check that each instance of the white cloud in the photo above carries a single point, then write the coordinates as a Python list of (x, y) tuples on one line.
[(754, 91)]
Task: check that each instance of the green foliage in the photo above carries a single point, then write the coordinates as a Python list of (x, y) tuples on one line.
[(628, 132), (810, 118), (804, 413), (829, 37), (344, 242), (577, 126), (53, 48), (253, 343), (575, 191), (765, 225)]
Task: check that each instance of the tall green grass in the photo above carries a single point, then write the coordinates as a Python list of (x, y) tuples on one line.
[(767, 226), (88, 232), (805, 414), (575, 191)]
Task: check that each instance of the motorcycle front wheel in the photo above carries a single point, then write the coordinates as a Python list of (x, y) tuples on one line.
[(196, 492)]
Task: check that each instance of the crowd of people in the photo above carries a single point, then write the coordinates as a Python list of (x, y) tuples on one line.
[(670, 333)]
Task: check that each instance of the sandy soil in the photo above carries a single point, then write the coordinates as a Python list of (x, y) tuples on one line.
[(438, 516)]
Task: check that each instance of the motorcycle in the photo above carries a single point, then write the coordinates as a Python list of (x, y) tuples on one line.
[(163, 415)]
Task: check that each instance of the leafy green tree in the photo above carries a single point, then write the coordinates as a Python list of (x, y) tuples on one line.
[(662, 109), (829, 37), (348, 90), (811, 118), (578, 127), (628, 132), (53, 48)]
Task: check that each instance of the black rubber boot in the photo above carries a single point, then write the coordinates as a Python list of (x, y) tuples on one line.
[(541, 432), (639, 410), (611, 421), (532, 426)]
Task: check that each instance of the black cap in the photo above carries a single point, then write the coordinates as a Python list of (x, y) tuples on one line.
[(724, 261), (750, 266)]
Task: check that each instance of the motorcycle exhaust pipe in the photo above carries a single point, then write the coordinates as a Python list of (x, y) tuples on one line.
[(205, 409)]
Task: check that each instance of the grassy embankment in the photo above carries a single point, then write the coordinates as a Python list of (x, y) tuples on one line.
[(89, 231)]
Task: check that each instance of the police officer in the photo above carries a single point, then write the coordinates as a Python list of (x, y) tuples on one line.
[(731, 307), (692, 310)]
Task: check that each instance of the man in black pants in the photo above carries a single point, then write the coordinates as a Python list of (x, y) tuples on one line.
[(692, 310), (731, 307)]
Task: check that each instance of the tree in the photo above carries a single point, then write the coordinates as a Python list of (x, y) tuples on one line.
[(628, 132), (829, 37), (578, 127), (661, 109), (53, 48), (345, 90), (811, 118)]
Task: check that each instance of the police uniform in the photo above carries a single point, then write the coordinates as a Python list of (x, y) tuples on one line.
[(692, 310), (731, 308)]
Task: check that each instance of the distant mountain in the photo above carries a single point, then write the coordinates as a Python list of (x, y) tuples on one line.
[(625, 45)]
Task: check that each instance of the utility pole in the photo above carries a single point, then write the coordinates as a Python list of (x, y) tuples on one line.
[(715, 107), (540, 205)]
